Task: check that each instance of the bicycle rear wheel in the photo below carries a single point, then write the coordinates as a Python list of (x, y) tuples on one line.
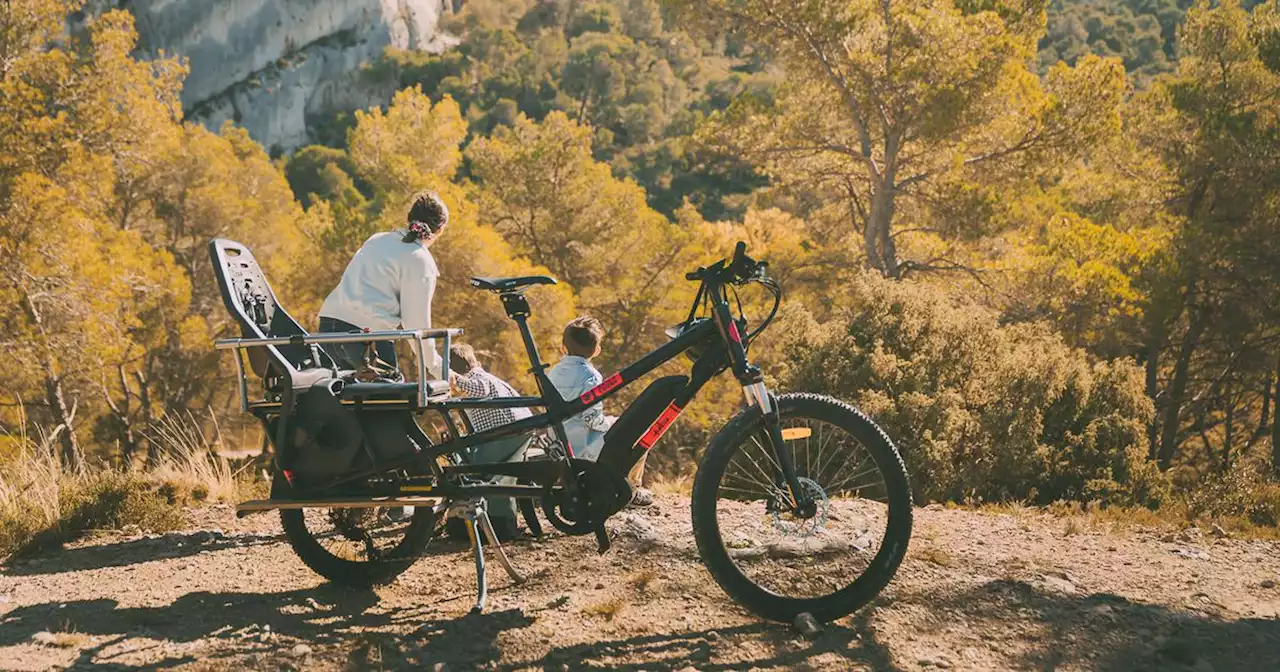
[(779, 565), (359, 548)]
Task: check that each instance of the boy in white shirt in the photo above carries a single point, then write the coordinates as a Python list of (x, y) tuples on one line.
[(572, 376)]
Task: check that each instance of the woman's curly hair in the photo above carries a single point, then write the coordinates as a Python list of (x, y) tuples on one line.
[(428, 215)]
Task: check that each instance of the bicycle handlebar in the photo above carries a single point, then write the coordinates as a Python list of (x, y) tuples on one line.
[(740, 269)]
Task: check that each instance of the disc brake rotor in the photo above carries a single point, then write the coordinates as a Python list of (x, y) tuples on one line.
[(785, 520)]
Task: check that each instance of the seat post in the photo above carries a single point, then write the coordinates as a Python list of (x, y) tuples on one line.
[(517, 307)]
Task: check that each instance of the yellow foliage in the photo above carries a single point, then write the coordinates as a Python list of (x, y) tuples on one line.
[(413, 142)]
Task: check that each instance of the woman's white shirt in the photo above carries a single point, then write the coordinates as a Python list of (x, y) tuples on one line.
[(388, 285)]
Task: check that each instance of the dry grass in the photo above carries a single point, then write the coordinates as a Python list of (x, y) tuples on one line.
[(609, 608), (937, 556), (70, 640), (43, 505), (191, 460), (642, 579), (672, 485), (1080, 517)]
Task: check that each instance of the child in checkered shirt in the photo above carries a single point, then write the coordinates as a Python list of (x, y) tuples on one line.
[(470, 379)]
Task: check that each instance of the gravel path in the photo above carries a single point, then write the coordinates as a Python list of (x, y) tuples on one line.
[(977, 592)]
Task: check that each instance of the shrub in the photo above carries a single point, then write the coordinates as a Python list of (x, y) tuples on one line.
[(980, 411), (41, 505), (1242, 492)]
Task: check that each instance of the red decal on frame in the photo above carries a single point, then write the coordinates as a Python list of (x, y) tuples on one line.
[(610, 384), (659, 426), (733, 332)]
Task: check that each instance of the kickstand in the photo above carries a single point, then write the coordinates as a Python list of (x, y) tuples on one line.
[(475, 514)]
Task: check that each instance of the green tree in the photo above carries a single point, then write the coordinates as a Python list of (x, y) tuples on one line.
[(538, 184), (1215, 125), (889, 105)]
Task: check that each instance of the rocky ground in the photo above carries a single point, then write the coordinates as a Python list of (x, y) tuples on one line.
[(978, 591)]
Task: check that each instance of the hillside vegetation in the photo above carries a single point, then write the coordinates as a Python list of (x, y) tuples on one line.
[(1047, 262)]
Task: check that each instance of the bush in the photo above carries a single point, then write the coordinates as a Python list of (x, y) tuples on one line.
[(981, 412), (106, 500), (1241, 493), (42, 506)]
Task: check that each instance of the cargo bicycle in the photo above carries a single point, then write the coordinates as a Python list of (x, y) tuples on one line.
[(800, 503)]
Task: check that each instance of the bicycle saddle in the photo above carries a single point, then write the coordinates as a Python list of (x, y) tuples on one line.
[(509, 284)]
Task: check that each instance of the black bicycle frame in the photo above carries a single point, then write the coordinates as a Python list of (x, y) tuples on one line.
[(557, 411), (725, 350)]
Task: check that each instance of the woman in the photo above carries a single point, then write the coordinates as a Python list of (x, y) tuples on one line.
[(388, 285)]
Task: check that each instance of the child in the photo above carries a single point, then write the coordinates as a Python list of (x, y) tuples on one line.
[(572, 376), (471, 380)]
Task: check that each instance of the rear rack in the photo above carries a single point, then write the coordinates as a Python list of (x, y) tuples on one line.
[(418, 336)]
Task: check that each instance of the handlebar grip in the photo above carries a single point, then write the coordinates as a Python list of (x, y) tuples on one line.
[(739, 251)]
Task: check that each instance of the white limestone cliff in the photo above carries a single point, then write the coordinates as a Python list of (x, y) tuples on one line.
[(273, 65)]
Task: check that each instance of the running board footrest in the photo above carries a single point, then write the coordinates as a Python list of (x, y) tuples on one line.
[(258, 505)]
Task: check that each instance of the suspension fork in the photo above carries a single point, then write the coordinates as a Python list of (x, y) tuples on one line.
[(801, 501), (758, 396)]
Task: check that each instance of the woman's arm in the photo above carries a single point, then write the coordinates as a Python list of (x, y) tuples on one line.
[(417, 287)]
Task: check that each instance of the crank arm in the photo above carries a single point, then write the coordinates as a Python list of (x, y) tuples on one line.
[(603, 543)]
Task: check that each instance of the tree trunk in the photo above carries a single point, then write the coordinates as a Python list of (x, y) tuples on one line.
[(877, 238), (1229, 430), (1178, 389), (1153, 383), (63, 418), (65, 423), (1275, 426)]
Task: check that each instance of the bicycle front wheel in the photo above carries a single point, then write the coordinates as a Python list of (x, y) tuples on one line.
[(778, 564)]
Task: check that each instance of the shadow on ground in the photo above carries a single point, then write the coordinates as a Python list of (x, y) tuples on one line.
[(353, 627), (132, 552), (1025, 626), (1103, 631)]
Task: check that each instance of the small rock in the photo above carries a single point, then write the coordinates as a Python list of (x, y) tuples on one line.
[(1218, 532), (1268, 583), (1190, 553), (807, 625), (1057, 582), (599, 586), (44, 638), (935, 661), (713, 636), (300, 651), (686, 668), (638, 528), (440, 667)]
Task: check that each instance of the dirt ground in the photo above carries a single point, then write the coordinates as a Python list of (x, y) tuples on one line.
[(978, 591)]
